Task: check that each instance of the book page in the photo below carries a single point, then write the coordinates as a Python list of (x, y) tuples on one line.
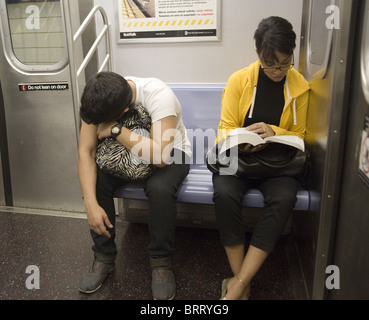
[(241, 136), (289, 140)]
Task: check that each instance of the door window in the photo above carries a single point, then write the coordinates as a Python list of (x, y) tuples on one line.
[(320, 37), (35, 34)]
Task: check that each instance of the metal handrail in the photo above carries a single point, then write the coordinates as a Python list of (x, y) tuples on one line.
[(72, 39), (103, 33), (92, 51)]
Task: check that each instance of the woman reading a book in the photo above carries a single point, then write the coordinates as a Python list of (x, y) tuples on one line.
[(269, 98)]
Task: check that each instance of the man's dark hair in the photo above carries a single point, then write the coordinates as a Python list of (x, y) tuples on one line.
[(274, 34), (104, 98)]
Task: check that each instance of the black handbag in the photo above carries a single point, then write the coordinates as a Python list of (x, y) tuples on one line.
[(115, 159), (274, 160)]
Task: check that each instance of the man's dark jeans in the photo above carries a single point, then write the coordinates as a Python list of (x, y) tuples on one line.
[(161, 189)]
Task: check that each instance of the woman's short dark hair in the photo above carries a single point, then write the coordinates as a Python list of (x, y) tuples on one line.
[(104, 98), (274, 34)]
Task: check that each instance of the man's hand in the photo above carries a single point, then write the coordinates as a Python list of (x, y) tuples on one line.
[(99, 221), (104, 130)]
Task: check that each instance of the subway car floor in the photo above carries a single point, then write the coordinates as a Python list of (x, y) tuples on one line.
[(60, 247)]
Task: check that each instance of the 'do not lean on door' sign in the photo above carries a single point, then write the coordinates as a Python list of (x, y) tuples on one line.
[(27, 87)]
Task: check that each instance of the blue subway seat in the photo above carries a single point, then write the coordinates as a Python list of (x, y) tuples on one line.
[(201, 106), (198, 188)]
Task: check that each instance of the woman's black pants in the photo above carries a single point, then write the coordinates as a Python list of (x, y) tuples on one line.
[(279, 201)]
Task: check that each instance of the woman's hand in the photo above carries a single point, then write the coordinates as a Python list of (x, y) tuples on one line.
[(262, 129), (249, 148)]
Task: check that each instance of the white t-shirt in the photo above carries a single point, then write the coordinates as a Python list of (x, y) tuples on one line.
[(160, 102)]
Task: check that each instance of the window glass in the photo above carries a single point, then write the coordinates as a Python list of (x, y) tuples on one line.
[(365, 54), (36, 31), (319, 33)]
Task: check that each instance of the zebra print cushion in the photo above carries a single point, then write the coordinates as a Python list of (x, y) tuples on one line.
[(114, 158)]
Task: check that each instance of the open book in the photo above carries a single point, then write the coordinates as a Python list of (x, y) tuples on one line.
[(241, 135)]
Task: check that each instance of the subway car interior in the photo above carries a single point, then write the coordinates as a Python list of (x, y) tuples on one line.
[(50, 49)]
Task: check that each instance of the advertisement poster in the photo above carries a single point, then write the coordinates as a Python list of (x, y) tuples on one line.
[(168, 20), (364, 153)]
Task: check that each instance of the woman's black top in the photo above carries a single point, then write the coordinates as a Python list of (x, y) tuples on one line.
[(269, 101)]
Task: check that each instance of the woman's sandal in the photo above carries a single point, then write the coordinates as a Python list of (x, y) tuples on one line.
[(225, 285), (224, 288)]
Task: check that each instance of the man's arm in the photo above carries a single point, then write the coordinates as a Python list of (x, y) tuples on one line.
[(87, 173), (155, 150)]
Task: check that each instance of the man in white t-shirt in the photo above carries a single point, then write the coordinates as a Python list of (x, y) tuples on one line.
[(106, 97)]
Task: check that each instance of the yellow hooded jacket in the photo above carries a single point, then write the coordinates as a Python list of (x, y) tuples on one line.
[(240, 93)]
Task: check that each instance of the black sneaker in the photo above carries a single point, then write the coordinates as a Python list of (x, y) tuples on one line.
[(163, 284), (95, 276)]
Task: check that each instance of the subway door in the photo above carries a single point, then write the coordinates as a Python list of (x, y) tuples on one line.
[(2, 192), (5, 200), (351, 244), (41, 120), (325, 60)]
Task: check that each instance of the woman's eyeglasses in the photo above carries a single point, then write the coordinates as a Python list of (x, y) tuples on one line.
[(285, 67)]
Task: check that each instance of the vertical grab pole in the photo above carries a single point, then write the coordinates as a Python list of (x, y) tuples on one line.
[(72, 63)]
